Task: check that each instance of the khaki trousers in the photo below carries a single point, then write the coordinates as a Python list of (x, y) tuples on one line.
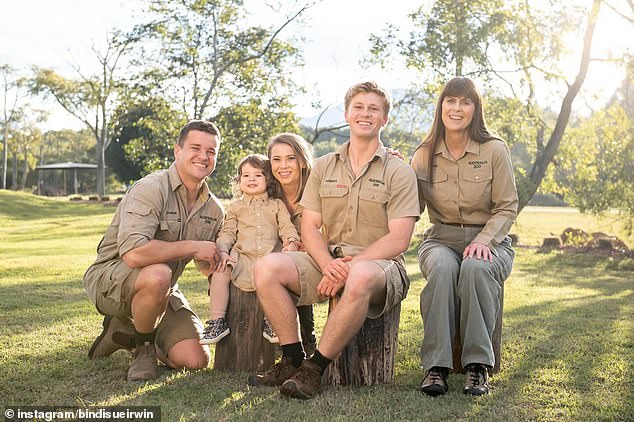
[(459, 294)]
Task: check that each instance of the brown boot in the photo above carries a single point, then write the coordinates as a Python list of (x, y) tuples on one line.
[(117, 334), (143, 366), (305, 384), (477, 380), (435, 381), (275, 376)]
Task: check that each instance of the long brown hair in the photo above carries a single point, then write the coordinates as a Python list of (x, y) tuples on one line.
[(304, 154), (457, 87)]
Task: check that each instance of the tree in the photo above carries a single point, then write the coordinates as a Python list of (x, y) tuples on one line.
[(596, 167), (12, 111), (144, 133), (464, 36), (207, 57), (89, 98)]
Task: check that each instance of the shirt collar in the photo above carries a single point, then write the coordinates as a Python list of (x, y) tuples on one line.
[(472, 146), (342, 152), (176, 182), (259, 197)]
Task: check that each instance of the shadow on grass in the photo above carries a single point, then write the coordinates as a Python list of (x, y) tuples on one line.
[(572, 350)]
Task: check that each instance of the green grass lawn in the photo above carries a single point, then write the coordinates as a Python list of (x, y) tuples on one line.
[(567, 352)]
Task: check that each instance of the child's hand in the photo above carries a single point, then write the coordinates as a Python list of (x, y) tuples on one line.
[(222, 263), (292, 246)]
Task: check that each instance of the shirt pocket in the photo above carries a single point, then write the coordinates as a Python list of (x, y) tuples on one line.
[(205, 232), (476, 187), (373, 208), (334, 201), (435, 190)]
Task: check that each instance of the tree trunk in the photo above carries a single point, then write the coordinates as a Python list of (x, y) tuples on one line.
[(545, 157), (25, 168), (5, 142), (101, 168), (245, 349), (14, 171)]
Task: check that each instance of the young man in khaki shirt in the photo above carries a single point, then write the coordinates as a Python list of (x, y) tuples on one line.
[(164, 220), (362, 201)]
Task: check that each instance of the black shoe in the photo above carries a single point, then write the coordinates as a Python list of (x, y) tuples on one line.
[(477, 380), (434, 382)]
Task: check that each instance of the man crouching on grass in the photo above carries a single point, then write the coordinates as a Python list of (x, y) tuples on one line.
[(164, 220), (364, 200)]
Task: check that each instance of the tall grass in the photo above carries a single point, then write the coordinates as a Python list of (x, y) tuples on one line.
[(567, 354)]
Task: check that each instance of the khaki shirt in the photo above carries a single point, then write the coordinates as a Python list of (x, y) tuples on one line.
[(355, 211), (254, 226), (478, 188), (155, 208)]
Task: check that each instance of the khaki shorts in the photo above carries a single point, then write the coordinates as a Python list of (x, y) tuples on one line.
[(310, 275), (115, 288)]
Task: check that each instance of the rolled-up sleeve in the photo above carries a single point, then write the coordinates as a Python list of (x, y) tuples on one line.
[(139, 222)]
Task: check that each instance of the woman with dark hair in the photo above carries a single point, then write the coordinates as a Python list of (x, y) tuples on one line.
[(291, 159), (465, 178)]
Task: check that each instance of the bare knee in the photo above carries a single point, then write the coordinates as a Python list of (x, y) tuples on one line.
[(363, 281), (272, 269), (155, 279), (189, 354)]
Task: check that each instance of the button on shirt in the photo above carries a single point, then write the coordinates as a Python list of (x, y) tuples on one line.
[(477, 188), (253, 227), (355, 211), (155, 208)]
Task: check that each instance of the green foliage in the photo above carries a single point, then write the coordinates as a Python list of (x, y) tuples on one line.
[(597, 163), (204, 56), (144, 133), (246, 129)]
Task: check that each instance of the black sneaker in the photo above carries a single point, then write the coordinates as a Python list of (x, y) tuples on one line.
[(215, 331), (477, 380), (434, 382), (268, 332)]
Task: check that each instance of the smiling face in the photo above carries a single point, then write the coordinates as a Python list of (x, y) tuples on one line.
[(196, 158), (366, 115), (457, 113), (252, 180), (285, 164)]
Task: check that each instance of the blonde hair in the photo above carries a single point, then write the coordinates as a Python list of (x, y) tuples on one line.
[(367, 88)]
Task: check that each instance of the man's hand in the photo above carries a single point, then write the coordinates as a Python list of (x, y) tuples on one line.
[(208, 252), (478, 251), (328, 288), (337, 269)]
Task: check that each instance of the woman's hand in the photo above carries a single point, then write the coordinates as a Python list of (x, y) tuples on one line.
[(478, 251)]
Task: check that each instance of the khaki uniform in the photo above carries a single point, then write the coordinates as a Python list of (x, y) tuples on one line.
[(355, 213), (153, 208), (478, 192), (253, 227)]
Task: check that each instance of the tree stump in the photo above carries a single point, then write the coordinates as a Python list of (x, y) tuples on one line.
[(369, 357), (244, 349), (496, 342)]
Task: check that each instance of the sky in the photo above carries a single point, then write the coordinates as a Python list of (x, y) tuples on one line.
[(55, 33)]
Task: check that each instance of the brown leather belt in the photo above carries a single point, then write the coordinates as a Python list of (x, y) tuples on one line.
[(478, 226)]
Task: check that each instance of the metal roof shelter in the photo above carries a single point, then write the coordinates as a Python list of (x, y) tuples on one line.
[(64, 166)]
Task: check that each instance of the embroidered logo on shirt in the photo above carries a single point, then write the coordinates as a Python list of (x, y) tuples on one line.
[(376, 182), (331, 180), (339, 185), (477, 163), (208, 219)]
